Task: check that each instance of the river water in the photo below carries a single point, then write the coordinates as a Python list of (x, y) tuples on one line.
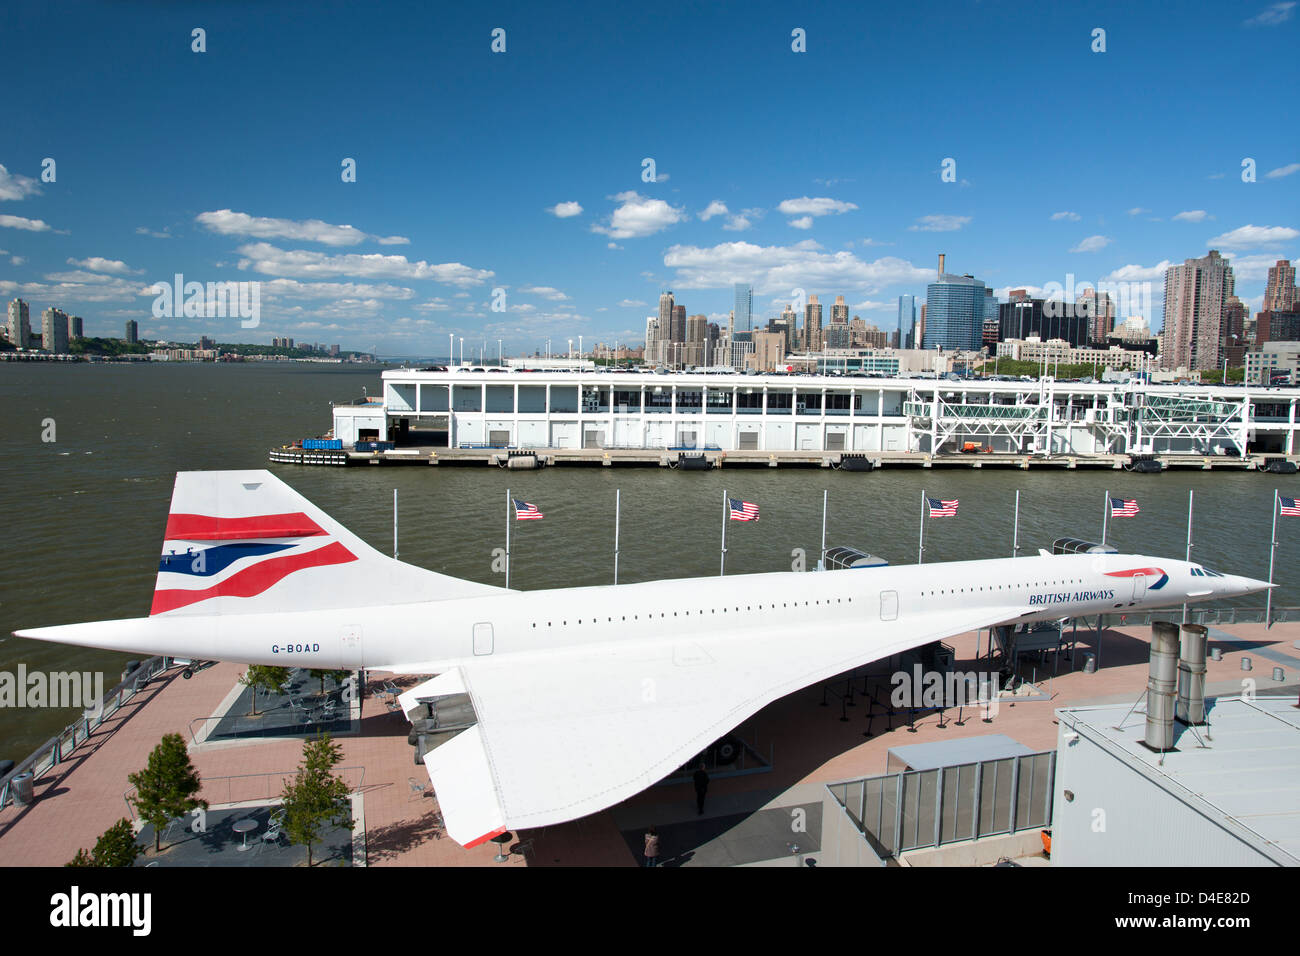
[(85, 513)]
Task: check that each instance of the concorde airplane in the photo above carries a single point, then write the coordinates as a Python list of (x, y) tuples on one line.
[(572, 699)]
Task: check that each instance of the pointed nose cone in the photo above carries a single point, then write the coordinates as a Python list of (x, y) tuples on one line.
[(1242, 585)]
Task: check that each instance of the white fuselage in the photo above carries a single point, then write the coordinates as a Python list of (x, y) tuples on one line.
[(432, 636)]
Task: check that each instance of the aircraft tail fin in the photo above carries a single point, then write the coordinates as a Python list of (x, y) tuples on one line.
[(242, 542)]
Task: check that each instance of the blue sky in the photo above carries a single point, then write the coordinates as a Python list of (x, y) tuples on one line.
[(225, 165)]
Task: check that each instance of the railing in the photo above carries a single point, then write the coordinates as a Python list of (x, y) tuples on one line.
[(255, 787), (1209, 615), (58, 748), (913, 809)]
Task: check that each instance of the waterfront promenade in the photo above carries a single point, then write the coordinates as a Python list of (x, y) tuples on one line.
[(810, 746)]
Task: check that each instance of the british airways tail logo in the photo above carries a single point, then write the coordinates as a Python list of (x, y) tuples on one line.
[(1149, 572), (244, 563)]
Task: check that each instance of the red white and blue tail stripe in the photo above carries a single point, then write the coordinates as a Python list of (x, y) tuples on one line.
[(243, 542)]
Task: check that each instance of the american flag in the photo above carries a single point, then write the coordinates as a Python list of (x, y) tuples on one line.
[(1289, 508), (1124, 507), (526, 512), (946, 508), (742, 510)]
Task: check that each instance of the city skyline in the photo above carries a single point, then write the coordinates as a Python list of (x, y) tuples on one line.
[(483, 187)]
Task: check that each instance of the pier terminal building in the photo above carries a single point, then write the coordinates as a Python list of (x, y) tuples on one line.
[(591, 409)]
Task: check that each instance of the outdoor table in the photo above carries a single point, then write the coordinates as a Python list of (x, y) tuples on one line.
[(244, 827), (501, 839)]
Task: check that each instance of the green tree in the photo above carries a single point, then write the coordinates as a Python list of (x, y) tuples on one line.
[(264, 676), (338, 676), (116, 846), (316, 800), (166, 787)]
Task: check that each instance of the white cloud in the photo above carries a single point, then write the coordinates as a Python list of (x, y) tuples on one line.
[(20, 222), (145, 231), (939, 223), (638, 216), (1092, 244), (1271, 15), (1137, 211), (1281, 171), (1251, 267), (1246, 236), (564, 210), (612, 245), (270, 260), (1067, 216), (1137, 273), (632, 304), (715, 208), (293, 289), (1192, 215), (226, 222), (98, 264), (874, 242), (777, 270), (1033, 291), (17, 260), (803, 222), (14, 186), (545, 291), (814, 206)]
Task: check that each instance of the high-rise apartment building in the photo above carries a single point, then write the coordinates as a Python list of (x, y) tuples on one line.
[(76, 327), (1195, 296), (839, 312), (132, 331), (1099, 307), (1280, 291), (697, 337), (812, 325), (19, 325), (54, 331), (664, 338)]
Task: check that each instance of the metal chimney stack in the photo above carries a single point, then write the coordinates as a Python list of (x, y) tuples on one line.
[(1190, 705), (1160, 686), (941, 265)]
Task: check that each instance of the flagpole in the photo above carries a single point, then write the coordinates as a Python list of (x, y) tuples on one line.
[(920, 544), (618, 507), (1105, 514), (825, 500), (1272, 548), (725, 511), (394, 523), (1190, 498), (1015, 534), (508, 503)]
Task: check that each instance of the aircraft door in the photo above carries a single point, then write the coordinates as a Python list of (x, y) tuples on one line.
[(482, 639), (350, 645), (889, 605), (1139, 587)]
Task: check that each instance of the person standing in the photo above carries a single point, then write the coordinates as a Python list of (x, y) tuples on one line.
[(651, 847), (701, 788)]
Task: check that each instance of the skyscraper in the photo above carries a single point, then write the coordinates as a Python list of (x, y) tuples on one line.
[(839, 312), (663, 356), (1195, 296), (1280, 292), (76, 328), (744, 306), (19, 326), (132, 331), (812, 325), (54, 331), (906, 320), (1099, 307), (653, 348), (697, 335), (955, 311)]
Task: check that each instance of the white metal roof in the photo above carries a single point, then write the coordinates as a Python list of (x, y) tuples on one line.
[(1242, 770)]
